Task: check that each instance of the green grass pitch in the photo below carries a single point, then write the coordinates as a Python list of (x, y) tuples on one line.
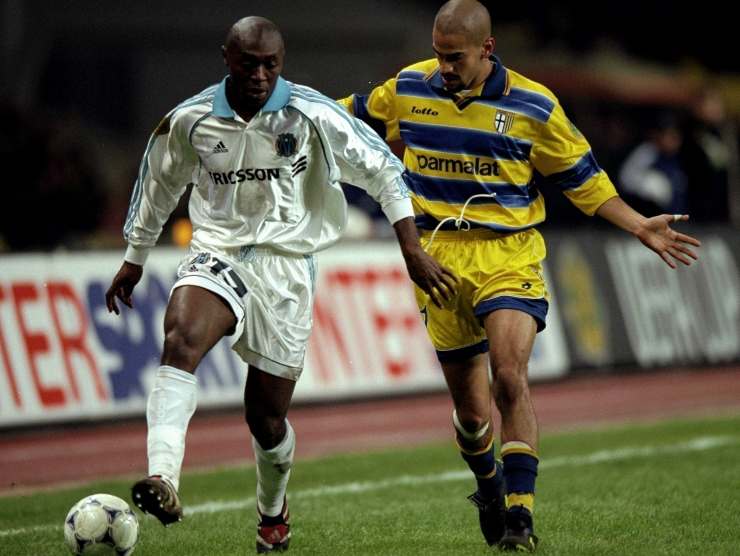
[(660, 488)]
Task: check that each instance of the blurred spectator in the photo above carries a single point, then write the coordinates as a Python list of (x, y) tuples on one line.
[(53, 195), (652, 178), (706, 158)]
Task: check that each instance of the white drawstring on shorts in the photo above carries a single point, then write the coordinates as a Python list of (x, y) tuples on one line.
[(459, 221)]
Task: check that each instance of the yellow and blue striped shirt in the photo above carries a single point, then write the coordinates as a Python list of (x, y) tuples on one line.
[(509, 136)]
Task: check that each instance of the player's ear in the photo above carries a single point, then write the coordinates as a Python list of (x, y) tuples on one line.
[(223, 53), (488, 47)]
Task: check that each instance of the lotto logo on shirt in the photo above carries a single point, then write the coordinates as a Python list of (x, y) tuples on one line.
[(244, 174)]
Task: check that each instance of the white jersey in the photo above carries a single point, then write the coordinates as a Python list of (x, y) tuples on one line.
[(270, 182)]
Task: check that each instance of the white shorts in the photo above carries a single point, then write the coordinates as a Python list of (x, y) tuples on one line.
[(271, 295)]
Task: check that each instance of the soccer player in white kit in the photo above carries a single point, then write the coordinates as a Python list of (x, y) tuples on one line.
[(265, 157)]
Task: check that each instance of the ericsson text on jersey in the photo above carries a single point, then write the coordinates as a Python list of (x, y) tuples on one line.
[(244, 174)]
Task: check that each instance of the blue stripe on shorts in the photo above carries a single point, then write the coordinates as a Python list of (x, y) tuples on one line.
[(535, 307), (461, 354)]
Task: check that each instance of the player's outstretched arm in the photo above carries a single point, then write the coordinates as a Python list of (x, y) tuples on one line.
[(436, 280), (654, 233), (123, 286)]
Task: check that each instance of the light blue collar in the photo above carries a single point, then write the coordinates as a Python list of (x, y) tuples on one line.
[(278, 99)]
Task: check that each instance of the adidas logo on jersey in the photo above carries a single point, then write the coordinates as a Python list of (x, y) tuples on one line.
[(220, 148)]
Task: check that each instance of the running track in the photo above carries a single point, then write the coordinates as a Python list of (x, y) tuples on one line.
[(37, 459)]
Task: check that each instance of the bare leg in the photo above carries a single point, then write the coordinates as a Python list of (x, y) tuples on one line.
[(195, 320), (266, 400), (470, 389), (511, 337)]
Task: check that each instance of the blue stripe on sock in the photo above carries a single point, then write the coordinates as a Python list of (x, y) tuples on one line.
[(520, 472)]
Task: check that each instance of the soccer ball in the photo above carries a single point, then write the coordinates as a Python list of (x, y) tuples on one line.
[(101, 519)]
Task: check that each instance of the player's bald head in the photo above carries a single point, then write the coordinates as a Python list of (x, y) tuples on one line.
[(254, 52), (468, 18), (254, 31)]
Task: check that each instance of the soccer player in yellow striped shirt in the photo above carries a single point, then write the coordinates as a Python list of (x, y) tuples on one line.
[(481, 140)]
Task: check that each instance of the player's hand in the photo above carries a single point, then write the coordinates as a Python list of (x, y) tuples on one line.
[(656, 234), (436, 280), (123, 285)]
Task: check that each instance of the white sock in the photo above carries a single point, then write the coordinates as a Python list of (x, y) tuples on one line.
[(273, 472), (171, 404)]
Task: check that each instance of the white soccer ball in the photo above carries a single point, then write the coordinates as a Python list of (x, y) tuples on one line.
[(101, 519)]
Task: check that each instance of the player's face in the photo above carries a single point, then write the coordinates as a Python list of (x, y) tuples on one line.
[(254, 68), (461, 63)]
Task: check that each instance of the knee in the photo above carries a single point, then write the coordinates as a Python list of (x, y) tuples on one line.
[(269, 431), (469, 420), (510, 384), (181, 348)]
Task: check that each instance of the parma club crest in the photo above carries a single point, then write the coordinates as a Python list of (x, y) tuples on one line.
[(503, 121), (286, 144)]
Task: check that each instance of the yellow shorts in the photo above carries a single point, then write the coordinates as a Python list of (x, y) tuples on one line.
[(496, 271)]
